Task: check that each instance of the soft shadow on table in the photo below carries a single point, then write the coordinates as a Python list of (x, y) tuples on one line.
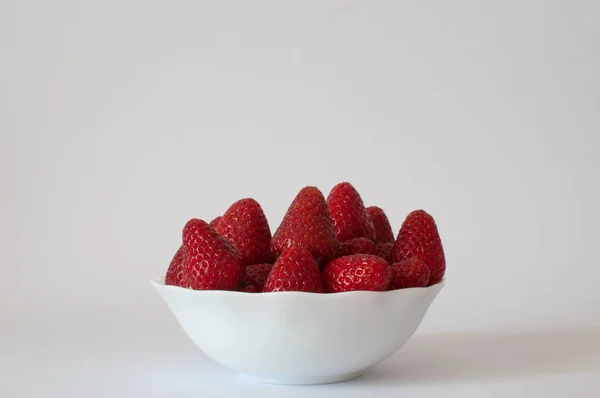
[(480, 355)]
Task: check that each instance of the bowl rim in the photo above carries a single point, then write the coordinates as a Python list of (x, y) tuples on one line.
[(159, 283)]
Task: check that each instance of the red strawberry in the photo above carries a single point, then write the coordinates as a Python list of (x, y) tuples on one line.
[(307, 224), (215, 221), (384, 250), (175, 273), (357, 246), (419, 238), (256, 275), (244, 224), (383, 229), (356, 272), (295, 270), (409, 273), (212, 263), (250, 289), (349, 215)]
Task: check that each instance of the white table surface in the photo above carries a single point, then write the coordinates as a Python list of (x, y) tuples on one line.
[(131, 358)]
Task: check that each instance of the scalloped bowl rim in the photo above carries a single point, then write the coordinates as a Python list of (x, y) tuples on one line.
[(159, 282)]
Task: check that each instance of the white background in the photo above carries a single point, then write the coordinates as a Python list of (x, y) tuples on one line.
[(120, 120)]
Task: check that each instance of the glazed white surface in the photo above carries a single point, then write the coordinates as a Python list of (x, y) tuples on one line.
[(297, 338)]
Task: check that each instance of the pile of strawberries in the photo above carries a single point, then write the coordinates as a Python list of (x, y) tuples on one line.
[(321, 246)]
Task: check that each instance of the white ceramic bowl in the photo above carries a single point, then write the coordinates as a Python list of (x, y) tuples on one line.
[(296, 337)]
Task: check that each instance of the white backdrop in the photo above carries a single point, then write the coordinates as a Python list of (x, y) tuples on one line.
[(120, 120)]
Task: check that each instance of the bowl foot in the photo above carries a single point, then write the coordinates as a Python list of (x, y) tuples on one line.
[(300, 381)]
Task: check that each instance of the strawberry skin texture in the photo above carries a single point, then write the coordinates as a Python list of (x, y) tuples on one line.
[(409, 273), (215, 221), (357, 246), (295, 270), (256, 275), (383, 229), (245, 225), (307, 224), (350, 218), (356, 272), (384, 250), (211, 263), (250, 289), (176, 271), (419, 238)]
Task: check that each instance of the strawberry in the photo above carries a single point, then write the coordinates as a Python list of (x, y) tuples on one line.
[(307, 224), (350, 218), (356, 272), (211, 263), (256, 275), (409, 273), (244, 225), (419, 238), (383, 229), (215, 221), (384, 250), (295, 270), (250, 289), (357, 246), (175, 273)]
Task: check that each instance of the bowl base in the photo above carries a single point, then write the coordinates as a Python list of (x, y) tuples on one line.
[(303, 381)]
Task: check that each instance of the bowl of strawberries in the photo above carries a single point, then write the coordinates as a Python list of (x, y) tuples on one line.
[(331, 293)]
